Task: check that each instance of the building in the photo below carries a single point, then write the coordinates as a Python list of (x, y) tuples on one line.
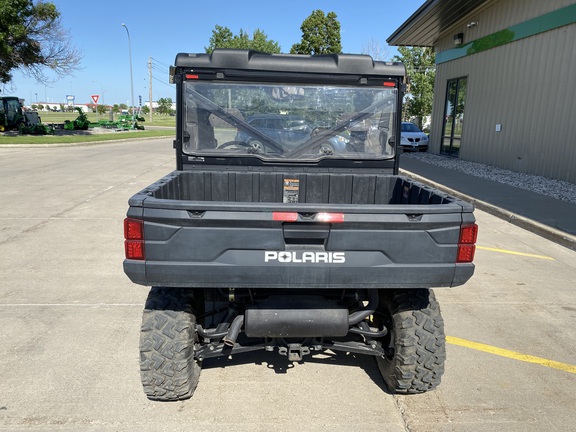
[(55, 106), (505, 86)]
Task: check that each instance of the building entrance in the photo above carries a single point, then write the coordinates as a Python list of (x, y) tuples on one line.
[(454, 116)]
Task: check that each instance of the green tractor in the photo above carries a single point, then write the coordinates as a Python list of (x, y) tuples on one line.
[(11, 115)]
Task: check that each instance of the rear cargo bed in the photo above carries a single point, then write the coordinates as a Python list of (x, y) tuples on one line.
[(311, 188)]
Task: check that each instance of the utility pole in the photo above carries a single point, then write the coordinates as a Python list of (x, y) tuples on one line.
[(150, 86)]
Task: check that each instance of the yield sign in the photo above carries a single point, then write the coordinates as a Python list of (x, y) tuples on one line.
[(95, 98)]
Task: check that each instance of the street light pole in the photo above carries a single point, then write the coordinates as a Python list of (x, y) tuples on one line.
[(130, 56)]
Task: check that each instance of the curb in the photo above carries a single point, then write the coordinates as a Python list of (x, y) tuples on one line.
[(557, 236)]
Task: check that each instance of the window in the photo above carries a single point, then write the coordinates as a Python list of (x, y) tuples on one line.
[(286, 122), (454, 116)]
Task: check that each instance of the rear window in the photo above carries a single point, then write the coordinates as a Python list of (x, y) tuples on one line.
[(280, 122)]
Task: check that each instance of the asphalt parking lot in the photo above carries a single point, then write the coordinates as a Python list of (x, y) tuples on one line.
[(69, 324)]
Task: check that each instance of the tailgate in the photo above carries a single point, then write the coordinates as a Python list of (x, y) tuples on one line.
[(256, 245)]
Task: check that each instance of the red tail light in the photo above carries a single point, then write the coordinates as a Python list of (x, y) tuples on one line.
[(133, 229), (134, 235), (468, 234), (467, 243), (285, 216), (465, 253), (320, 217), (134, 249)]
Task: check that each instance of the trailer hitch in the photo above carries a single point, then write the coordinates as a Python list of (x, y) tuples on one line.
[(294, 351)]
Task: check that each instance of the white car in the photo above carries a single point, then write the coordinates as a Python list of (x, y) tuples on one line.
[(412, 138)]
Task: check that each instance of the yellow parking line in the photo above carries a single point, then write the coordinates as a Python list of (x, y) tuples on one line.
[(511, 354), (544, 257)]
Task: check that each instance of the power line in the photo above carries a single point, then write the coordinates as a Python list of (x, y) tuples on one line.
[(158, 61), (163, 82), (160, 70), (159, 66)]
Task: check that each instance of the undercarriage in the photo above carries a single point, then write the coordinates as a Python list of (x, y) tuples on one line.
[(292, 323), (402, 329)]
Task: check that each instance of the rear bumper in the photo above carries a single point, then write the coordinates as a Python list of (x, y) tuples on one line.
[(289, 275)]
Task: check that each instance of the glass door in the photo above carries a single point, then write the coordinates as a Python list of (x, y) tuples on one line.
[(454, 116)]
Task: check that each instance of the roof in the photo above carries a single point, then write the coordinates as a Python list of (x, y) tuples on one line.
[(353, 64), (426, 25)]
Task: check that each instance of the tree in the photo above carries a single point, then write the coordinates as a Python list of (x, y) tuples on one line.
[(222, 37), (320, 35), (101, 109), (375, 50), (164, 106), (421, 70), (32, 39)]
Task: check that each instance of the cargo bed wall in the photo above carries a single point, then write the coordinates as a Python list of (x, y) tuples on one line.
[(310, 188)]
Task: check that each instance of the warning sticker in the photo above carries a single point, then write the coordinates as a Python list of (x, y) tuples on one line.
[(291, 190), (406, 193)]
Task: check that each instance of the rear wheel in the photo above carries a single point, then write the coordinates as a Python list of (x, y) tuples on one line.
[(168, 368), (416, 344)]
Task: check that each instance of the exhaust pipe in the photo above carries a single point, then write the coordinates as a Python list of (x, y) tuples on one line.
[(222, 328), (234, 331), (358, 316), (364, 330)]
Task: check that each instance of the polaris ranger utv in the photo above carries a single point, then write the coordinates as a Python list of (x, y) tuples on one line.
[(286, 227)]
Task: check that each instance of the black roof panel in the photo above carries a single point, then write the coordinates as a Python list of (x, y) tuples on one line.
[(349, 64)]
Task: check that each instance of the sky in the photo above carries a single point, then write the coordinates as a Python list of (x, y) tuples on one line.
[(159, 30)]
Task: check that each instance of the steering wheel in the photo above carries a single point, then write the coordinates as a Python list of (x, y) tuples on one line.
[(325, 149)]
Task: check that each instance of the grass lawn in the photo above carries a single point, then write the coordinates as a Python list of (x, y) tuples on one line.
[(60, 137), (160, 120), (59, 117), (82, 137)]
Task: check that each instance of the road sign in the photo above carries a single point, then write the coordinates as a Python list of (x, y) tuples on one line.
[(95, 98)]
